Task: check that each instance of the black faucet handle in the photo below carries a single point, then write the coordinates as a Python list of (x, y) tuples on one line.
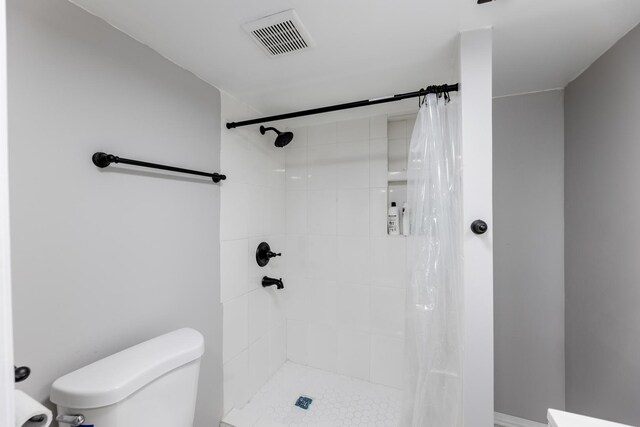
[(264, 254)]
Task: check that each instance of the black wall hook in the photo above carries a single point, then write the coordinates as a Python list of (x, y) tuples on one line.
[(479, 226), (21, 373)]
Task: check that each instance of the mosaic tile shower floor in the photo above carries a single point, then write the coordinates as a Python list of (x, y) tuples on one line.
[(338, 400)]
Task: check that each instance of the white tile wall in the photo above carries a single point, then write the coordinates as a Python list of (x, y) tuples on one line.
[(322, 257), (297, 249), (236, 381), (396, 129), (321, 212), (235, 320), (389, 261), (322, 345), (322, 134), (352, 169), (296, 212), (233, 269), (387, 311), (354, 354), (277, 348), (258, 363), (253, 209), (345, 278), (353, 212), (354, 307), (323, 298), (354, 259), (378, 163), (297, 341), (378, 212), (258, 311), (296, 167), (387, 354), (353, 130), (322, 165)]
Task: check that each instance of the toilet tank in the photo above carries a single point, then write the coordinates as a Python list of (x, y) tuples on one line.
[(151, 384)]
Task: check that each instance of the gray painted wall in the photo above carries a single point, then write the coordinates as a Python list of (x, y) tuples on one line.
[(602, 109), (528, 153), (105, 259)]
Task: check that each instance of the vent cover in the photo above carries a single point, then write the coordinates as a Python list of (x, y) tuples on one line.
[(280, 34)]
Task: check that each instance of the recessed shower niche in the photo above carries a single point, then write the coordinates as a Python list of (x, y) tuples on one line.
[(399, 131)]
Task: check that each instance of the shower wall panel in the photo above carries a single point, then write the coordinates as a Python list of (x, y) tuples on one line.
[(345, 277), (252, 211)]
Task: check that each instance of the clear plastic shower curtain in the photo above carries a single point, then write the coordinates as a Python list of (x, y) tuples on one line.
[(433, 356)]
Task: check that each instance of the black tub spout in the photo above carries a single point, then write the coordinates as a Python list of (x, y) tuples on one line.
[(268, 281)]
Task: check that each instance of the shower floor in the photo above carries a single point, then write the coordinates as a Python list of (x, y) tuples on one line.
[(338, 400)]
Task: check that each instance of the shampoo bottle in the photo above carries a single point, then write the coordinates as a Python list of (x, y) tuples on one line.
[(393, 224), (405, 219)]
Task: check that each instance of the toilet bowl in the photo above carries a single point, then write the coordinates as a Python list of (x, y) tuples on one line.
[(151, 384)]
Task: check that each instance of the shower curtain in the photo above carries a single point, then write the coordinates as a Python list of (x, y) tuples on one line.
[(433, 357)]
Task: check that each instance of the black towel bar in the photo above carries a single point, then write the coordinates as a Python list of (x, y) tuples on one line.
[(102, 160)]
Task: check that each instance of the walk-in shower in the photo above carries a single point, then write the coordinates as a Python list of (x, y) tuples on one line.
[(371, 320)]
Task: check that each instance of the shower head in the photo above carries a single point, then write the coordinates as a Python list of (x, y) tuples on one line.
[(282, 139)]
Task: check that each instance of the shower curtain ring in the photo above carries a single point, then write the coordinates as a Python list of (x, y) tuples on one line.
[(424, 98)]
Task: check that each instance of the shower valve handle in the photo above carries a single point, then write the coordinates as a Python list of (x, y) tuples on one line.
[(264, 254)]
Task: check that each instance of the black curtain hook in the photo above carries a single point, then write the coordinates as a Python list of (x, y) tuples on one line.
[(426, 94), (429, 90)]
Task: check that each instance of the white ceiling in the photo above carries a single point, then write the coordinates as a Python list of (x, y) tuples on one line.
[(370, 48)]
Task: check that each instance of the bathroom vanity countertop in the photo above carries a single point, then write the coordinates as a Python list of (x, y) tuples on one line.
[(566, 419)]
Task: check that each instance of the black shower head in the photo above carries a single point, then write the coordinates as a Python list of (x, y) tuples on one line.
[(282, 139)]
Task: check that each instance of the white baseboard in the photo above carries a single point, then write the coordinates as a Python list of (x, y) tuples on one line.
[(504, 420)]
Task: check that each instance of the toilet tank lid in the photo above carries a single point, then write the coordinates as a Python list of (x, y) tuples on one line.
[(116, 377)]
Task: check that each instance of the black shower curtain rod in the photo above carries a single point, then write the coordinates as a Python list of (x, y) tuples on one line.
[(392, 98)]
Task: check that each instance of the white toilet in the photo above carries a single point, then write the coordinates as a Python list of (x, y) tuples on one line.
[(151, 384)]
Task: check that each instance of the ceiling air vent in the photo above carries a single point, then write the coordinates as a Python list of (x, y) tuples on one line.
[(280, 34)]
